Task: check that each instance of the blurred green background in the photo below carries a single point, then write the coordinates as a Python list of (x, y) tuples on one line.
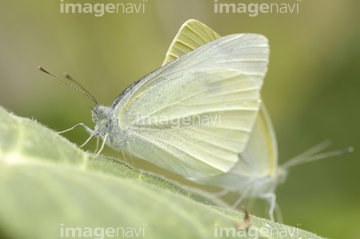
[(311, 89)]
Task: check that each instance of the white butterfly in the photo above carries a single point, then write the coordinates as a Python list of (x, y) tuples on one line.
[(221, 79), (256, 172)]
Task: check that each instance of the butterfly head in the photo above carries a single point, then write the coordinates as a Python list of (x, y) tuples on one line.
[(281, 174), (101, 117), (100, 113)]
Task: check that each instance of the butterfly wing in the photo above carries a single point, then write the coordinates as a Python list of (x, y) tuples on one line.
[(220, 80), (191, 35), (259, 158), (261, 154), (254, 173)]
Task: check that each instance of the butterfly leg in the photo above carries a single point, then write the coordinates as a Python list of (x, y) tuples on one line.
[(242, 197), (272, 200), (87, 141), (102, 145), (90, 131), (278, 213), (97, 144)]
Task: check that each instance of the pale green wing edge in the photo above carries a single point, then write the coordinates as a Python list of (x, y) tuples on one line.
[(191, 35)]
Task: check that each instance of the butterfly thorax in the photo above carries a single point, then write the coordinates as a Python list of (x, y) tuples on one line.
[(268, 184), (107, 126)]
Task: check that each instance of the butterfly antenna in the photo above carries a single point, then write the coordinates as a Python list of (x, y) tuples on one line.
[(80, 88), (314, 150), (312, 154)]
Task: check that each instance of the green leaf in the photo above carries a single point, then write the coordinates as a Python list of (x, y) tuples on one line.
[(49, 186)]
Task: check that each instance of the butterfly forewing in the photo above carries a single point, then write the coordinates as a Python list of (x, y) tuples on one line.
[(222, 78)]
